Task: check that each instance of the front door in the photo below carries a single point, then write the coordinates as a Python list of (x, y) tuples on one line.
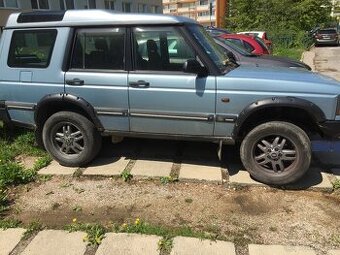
[(162, 98)]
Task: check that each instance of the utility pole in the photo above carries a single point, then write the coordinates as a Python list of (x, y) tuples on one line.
[(211, 12)]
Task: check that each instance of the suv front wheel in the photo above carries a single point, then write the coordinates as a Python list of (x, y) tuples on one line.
[(276, 152), (71, 138)]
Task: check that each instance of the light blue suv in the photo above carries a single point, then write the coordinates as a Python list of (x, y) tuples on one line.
[(75, 76)]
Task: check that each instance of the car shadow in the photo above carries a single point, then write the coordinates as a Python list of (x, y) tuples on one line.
[(203, 154)]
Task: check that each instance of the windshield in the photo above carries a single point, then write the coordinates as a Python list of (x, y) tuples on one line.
[(210, 47), (234, 46)]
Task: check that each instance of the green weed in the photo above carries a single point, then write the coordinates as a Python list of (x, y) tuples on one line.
[(336, 184), (126, 175), (94, 232), (9, 223), (168, 179), (32, 229)]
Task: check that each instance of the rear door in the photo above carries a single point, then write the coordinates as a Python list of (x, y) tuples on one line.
[(97, 74)]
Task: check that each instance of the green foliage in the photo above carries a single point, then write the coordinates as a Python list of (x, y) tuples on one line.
[(9, 223), (168, 179), (274, 15), (95, 232), (11, 173), (336, 184), (126, 175), (33, 228), (165, 245), (286, 22), (3, 199)]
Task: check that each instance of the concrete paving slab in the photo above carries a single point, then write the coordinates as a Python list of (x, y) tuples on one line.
[(243, 177), (151, 168), (208, 172), (56, 169), (189, 246), (255, 249), (313, 179), (334, 252), (107, 166), (57, 242), (129, 244), (9, 238)]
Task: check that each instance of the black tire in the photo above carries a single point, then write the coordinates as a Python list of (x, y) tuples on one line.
[(71, 139), (276, 153)]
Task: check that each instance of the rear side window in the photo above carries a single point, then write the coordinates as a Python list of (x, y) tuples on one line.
[(31, 49), (99, 49)]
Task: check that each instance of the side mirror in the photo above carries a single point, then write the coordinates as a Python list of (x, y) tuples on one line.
[(193, 66), (231, 56)]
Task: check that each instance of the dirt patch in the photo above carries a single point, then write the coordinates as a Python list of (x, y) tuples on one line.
[(26, 161), (257, 215)]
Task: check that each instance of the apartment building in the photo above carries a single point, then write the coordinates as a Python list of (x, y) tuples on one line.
[(206, 12), (138, 6)]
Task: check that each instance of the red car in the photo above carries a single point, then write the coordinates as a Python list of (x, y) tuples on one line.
[(252, 44)]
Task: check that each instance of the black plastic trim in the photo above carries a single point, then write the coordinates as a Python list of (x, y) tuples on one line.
[(330, 129), (4, 116), (40, 16), (225, 139), (67, 98), (292, 102)]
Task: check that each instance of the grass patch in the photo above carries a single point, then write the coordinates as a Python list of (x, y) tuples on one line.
[(336, 184), (294, 53), (126, 175), (94, 232), (32, 229), (141, 227), (12, 144), (9, 223)]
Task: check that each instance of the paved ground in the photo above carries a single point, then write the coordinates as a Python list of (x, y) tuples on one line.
[(56, 242), (187, 161), (325, 60)]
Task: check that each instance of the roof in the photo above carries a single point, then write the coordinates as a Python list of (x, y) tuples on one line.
[(88, 18)]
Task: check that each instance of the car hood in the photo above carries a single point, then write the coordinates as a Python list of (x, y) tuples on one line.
[(283, 79), (290, 62)]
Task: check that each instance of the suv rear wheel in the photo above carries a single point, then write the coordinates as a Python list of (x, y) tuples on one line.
[(276, 152), (71, 138)]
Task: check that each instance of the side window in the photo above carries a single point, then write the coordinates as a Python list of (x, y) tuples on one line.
[(99, 49), (238, 42), (32, 48), (248, 46), (160, 48)]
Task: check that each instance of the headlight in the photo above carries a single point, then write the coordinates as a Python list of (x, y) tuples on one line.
[(338, 107)]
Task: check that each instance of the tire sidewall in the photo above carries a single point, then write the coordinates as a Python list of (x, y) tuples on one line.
[(85, 127), (284, 129)]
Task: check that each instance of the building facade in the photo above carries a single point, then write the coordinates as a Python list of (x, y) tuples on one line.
[(138, 6), (206, 12)]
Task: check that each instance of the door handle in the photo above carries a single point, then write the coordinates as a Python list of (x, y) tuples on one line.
[(139, 84), (75, 82)]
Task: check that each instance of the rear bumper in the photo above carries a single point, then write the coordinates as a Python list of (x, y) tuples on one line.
[(331, 129), (326, 41)]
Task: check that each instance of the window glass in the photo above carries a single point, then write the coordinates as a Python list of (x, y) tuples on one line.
[(109, 5), (99, 49), (248, 46), (66, 4), (31, 48), (43, 4), (160, 49), (9, 3), (40, 4), (126, 7)]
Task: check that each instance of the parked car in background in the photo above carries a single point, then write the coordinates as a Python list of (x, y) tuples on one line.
[(242, 57), (326, 36), (260, 34), (252, 44), (214, 31)]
